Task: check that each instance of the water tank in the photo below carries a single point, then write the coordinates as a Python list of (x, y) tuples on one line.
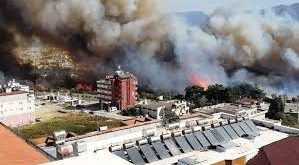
[(80, 146), (202, 122), (190, 124), (65, 150), (173, 126), (148, 132)]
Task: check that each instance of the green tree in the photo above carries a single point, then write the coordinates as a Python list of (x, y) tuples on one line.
[(193, 92), (276, 108), (217, 92), (242, 90), (200, 101)]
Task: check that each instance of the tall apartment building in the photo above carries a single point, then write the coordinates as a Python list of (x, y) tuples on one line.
[(16, 105), (118, 90)]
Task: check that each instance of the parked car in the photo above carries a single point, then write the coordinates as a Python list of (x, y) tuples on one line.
[(112, 109)]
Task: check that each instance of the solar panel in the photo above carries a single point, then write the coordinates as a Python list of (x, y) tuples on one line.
[(252, 126), (148, 152), (202, 139), (193, 141), (161, 150), (212, 139), (238, 129), (135, 156), (230, 131), (120, 153), (223, 133), (218, 136), (246, 129), (172, 147), (183, 144)]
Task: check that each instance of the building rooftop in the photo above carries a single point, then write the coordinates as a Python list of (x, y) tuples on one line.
[(156, 104), (16, 151), (244, 147), (100, 157), (281, 152)]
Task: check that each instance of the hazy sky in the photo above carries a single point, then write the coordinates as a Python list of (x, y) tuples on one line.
[(209, 5)]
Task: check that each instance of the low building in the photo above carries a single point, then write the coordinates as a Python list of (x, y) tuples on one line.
[(118, 90), (240, 111), (168, 109), (16, 105), (242, 108)]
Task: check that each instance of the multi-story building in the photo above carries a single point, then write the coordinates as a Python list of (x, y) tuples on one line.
[(16, 105), (118, 90)]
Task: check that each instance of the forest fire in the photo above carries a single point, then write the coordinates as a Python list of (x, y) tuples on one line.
[(196, 80), (84, 87)]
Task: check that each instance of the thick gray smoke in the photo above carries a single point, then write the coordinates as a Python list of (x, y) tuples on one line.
[(161, 49), (247, 47)]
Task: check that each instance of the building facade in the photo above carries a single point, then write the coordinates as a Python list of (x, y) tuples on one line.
[(167, 109), (16, 105), (118, 90)]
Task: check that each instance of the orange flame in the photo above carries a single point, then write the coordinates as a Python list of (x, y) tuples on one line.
[(196, 80)]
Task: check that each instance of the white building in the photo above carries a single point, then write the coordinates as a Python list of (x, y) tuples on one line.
[(159, 109), (16, 104), (228, 142)]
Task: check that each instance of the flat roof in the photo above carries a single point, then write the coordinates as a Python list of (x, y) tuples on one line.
[(246, 147), (233, 108), (100, 157), (16, 151)]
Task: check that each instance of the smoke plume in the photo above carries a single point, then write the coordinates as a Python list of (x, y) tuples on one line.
[(161, 49)]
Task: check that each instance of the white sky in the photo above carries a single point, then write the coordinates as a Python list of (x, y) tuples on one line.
[(209, 5)]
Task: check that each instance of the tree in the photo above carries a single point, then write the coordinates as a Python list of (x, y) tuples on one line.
[(200, 101), (217, 92), (238, 91), (193, 92), (276, 108)]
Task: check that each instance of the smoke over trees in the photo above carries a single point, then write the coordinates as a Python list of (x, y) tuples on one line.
[(161, 49)]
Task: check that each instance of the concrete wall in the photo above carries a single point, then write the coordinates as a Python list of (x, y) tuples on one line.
[(156, 114), (286, 129), (276, 125), (214, 106)]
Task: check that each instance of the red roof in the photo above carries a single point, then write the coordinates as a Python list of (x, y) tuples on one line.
[(15, 151), (285, 151)]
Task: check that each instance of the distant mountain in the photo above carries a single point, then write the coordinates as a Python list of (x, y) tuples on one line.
[(292, 10), (196, 18)]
